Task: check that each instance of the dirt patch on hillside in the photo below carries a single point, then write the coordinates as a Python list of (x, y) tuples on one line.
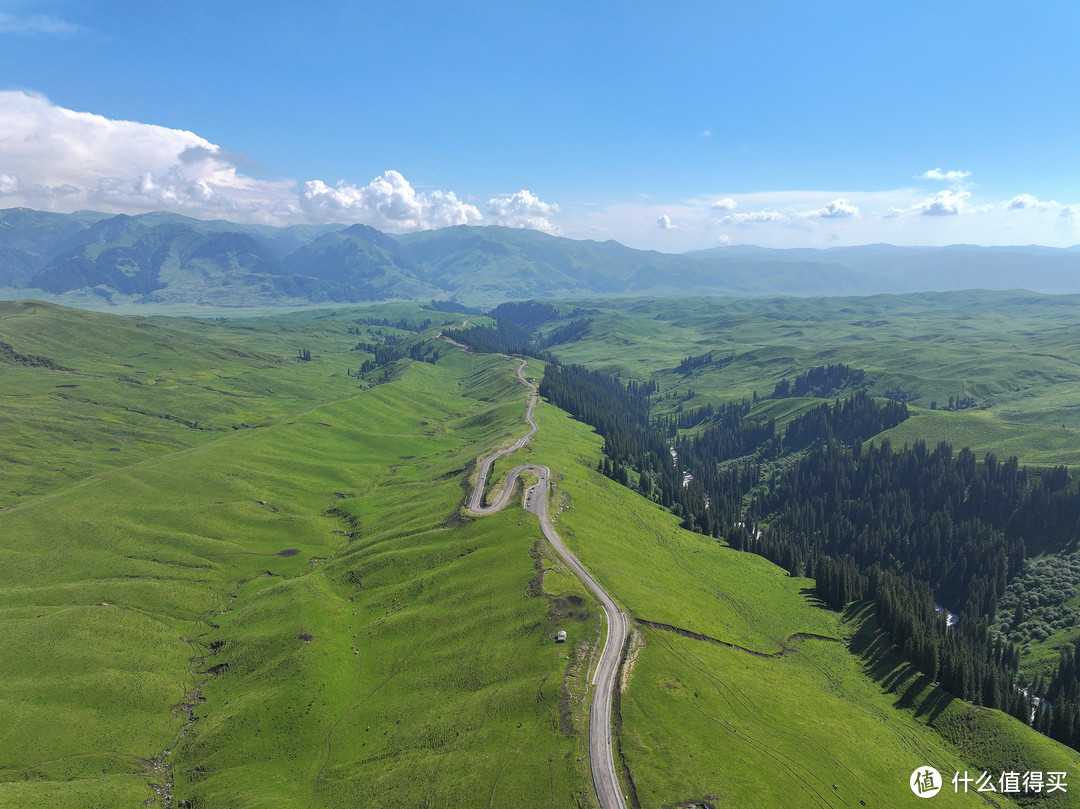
[(536, 583), (636, 644), (616, 708), (569, 704), (563, 610)]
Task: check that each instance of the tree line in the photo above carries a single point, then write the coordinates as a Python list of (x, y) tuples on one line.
[(905, 529), (517, 330), (820, 381)]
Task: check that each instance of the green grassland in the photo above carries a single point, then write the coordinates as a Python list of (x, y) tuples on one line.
[(708, 723), (285, 607), (1015, 353), (294, 615), (983, 432), (124, 389)]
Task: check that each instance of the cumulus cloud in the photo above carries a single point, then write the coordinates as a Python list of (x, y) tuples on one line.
[(1026, 202), (724, 241), (1023, 201), (58, 159), (706, 133), (943, 203), (837, 209), (945, 176), (54, 158), (388, 202), (523, 210), (47, 144)]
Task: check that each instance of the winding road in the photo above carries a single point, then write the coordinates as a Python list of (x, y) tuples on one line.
[(601, 750)]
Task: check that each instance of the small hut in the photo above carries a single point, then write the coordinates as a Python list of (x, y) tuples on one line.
[(560, 636)]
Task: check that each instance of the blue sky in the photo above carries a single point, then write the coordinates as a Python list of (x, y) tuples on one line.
[(782, 124)]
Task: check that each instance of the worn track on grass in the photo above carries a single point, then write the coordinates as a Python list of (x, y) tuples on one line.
[(604, 682)]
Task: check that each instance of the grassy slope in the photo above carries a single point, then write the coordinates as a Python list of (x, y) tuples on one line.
[(167, 541), (134, 388), (1015, 353), (707, 722), (186, 550), (983, 432)]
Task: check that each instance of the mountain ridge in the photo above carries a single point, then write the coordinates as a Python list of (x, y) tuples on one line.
[(165, 258)]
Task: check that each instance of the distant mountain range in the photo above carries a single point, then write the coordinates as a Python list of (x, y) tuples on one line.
[(89, 257)]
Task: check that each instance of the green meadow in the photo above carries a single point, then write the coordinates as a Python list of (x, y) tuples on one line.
[(295, 615), (982, 431), (232, 578), (86, 392), (1015, 355), (784, 718)]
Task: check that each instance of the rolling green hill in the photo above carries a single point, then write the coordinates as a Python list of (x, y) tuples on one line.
[(231, 577), (292, 615), (1011, 356)]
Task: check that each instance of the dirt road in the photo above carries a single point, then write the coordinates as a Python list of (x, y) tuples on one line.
[(601, 749)]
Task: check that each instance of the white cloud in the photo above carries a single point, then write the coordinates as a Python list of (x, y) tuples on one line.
[(753, 218), (523, 210), (50, 145), (59, 159), (389, 202), (837, 209), (786, 218), (724, 241), (53, 158), (945, 176), (706, 133), (1023, 201), (9, 184), (1026, 202), (39, 24), (943, 203)]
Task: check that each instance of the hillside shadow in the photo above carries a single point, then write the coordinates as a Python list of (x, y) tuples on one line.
[(914, 691), (813, 598)]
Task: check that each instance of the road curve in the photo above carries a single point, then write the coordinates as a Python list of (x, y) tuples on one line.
[(601, 749), (477, 496)]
